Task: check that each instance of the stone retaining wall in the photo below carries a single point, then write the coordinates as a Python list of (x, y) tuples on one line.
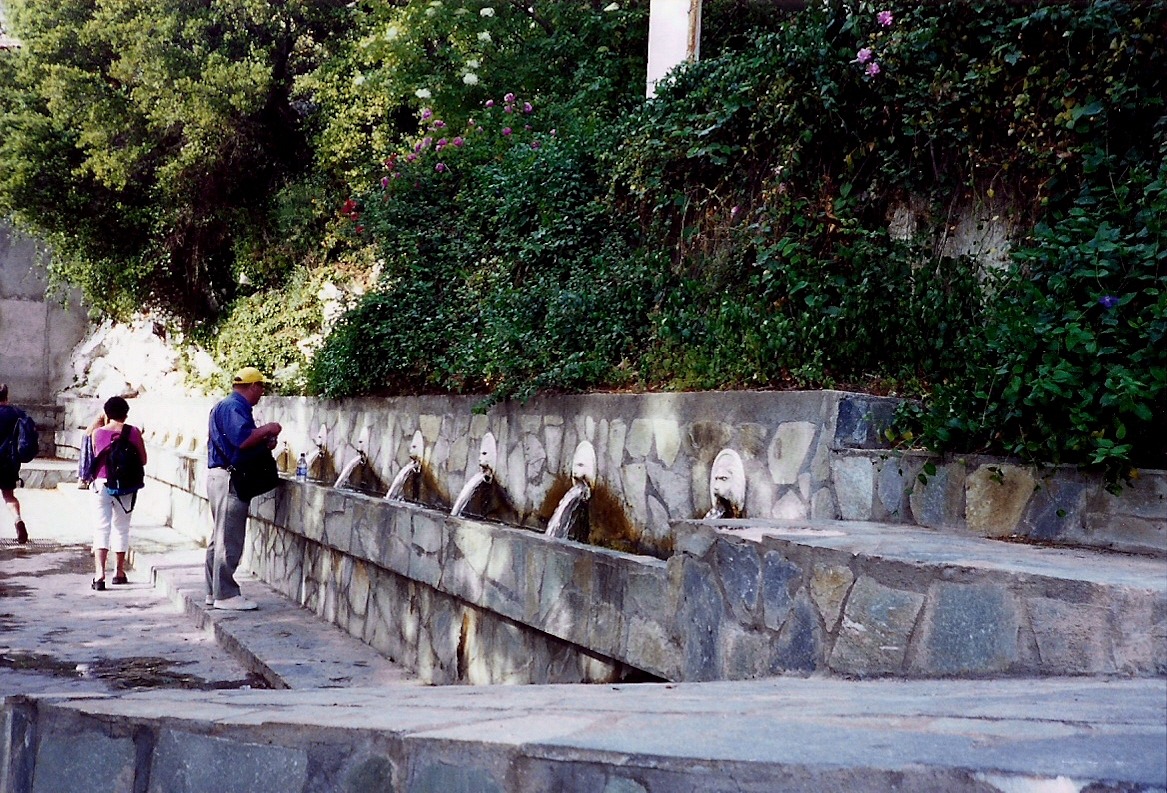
[(990, 497), (759, 601), (38, 332)]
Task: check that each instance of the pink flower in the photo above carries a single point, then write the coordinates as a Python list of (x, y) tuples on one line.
[(439, 124), (885, 18), (411, 157), (535, 144), (553, 133), (426, 114), (426, 141), (440, 167), (872, 69), (527, 108), (864, 55), (490, 103), (506, 131), (457, 141), (384, 181), (509, 97), (509, 108), (441, 144)]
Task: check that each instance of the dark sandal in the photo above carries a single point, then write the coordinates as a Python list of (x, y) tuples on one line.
[(98, 585), (120, 579)]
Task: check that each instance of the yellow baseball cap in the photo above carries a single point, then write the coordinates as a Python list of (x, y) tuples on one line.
[(248, 375)]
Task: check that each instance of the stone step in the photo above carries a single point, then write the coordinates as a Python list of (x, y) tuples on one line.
[(49, 473), (875, 599), (287, 645)]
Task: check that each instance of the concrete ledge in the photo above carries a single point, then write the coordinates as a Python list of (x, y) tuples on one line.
[(775, 735), (737, 600)]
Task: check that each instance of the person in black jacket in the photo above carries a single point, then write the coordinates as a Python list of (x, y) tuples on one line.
[(10, 469)]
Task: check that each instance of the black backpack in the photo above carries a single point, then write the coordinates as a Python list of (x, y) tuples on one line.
[(22, 446), (124, 473)]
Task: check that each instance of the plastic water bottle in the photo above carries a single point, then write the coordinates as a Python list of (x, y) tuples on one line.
[(302, 469)]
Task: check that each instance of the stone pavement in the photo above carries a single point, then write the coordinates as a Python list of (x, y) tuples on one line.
[(170, 713)]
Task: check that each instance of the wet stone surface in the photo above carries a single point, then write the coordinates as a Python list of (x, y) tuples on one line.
[(57, 634)]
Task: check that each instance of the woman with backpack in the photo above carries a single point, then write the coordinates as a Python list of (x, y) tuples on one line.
[(111, 529)]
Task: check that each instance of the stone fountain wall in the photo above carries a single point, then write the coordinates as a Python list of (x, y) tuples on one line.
[(654, 452), (463, 600), (468, 600), (990, 497)]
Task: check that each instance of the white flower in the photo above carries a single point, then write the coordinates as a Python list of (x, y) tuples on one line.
[(473, 63), (484, 35), (359, 79), (612, 7), (487, 11), (470, 78), (392, 32), (422, 93)]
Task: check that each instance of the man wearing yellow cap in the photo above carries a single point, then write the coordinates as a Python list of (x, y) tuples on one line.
[(232, 436)]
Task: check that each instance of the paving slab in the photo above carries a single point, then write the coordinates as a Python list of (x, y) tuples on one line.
[(59, 635), (54, 624)]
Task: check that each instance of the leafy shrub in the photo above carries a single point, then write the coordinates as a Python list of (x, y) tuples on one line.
[(274, 329), (1073, 365), (502, 268)]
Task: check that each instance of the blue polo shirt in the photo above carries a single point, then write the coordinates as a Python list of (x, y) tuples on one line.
[(230, 424)]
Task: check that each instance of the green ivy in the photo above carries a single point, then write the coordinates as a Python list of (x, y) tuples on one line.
[(1073, 364)]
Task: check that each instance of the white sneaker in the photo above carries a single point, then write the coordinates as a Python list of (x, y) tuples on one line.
[(237, 603), (209, 600)]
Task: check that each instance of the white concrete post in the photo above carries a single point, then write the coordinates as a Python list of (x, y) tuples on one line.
[(674, 35)]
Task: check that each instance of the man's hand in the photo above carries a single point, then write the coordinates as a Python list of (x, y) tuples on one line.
[(273, 432)]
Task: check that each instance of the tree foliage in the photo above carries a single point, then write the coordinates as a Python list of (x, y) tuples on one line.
[(145, 140)]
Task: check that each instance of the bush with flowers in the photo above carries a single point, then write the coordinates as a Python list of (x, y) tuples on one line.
[(502, 268), (770, 175)]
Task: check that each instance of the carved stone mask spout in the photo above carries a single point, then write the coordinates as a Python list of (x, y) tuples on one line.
[(487, 456), (583, 464), (727, 485)]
